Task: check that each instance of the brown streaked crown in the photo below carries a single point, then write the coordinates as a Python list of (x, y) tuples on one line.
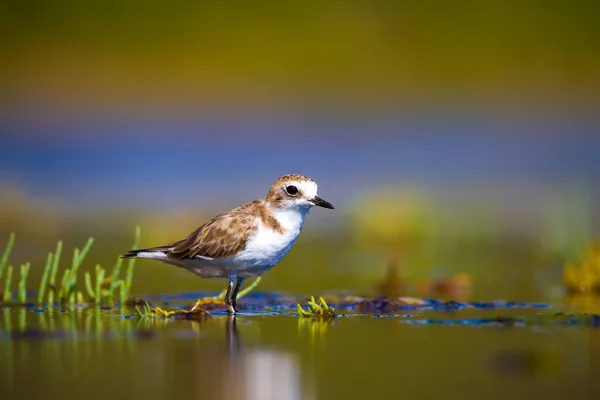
[(276, 194), (291, 178)]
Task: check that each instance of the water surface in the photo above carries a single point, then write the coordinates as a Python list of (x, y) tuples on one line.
[(520, 352)]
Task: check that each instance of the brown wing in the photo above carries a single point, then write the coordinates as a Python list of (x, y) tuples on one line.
[(222, 237)]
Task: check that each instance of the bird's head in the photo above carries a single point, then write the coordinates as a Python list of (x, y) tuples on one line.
[(295, 192)]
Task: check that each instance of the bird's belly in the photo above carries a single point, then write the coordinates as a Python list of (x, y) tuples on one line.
[(265, 249), (258, 257)]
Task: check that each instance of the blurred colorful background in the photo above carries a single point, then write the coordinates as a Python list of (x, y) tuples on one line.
[(456, 140)]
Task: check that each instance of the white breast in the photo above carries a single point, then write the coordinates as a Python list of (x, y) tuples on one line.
[(267, 246)]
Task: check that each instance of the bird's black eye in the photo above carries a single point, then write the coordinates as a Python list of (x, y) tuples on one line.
[(291, 190)]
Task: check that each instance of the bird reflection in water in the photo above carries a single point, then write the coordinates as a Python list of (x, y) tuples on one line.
[(256, 372)]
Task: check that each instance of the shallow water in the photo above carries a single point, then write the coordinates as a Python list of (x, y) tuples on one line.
[(496, 350)]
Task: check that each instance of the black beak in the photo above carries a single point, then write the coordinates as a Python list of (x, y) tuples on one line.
[(317, 201)]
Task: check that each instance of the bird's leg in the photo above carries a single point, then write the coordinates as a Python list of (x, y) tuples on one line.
[(228, 296), (236, 290)]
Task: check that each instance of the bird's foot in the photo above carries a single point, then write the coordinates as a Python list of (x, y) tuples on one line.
[(231, 308)]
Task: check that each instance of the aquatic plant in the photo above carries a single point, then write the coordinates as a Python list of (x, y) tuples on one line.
[(7, 295), (583, 277), (248, 289), (145, 311), (22, 293), (7, 291), (106, 286), (153, 312), (54, 271), (103, 290), (44, 280), (6, 253), (314, 309)]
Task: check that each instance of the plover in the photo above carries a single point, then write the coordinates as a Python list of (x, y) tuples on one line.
[(246, 241)]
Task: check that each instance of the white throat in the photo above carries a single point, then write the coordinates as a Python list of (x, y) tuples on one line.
[(291, 219)]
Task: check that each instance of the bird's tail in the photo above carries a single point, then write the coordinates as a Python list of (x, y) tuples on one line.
[(132, 254), (152, 253)]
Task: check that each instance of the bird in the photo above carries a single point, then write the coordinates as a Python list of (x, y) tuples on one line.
[(245, 242)]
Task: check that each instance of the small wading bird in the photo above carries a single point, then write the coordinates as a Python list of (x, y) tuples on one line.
[(245, 242)]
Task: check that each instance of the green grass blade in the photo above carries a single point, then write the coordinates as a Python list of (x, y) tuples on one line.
[(54, 272), (131, 262), (72, 278), (78, 257), (100, 272), (139, 312), (85, 250), (116, 272), (89, 287), (75, 259), (63, 283), (7, 293), (74, 267), (249, 288), (6, 253), (122, 293), (22, 296), (44, 280)]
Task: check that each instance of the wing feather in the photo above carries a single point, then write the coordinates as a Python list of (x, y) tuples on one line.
[(222, 237)]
